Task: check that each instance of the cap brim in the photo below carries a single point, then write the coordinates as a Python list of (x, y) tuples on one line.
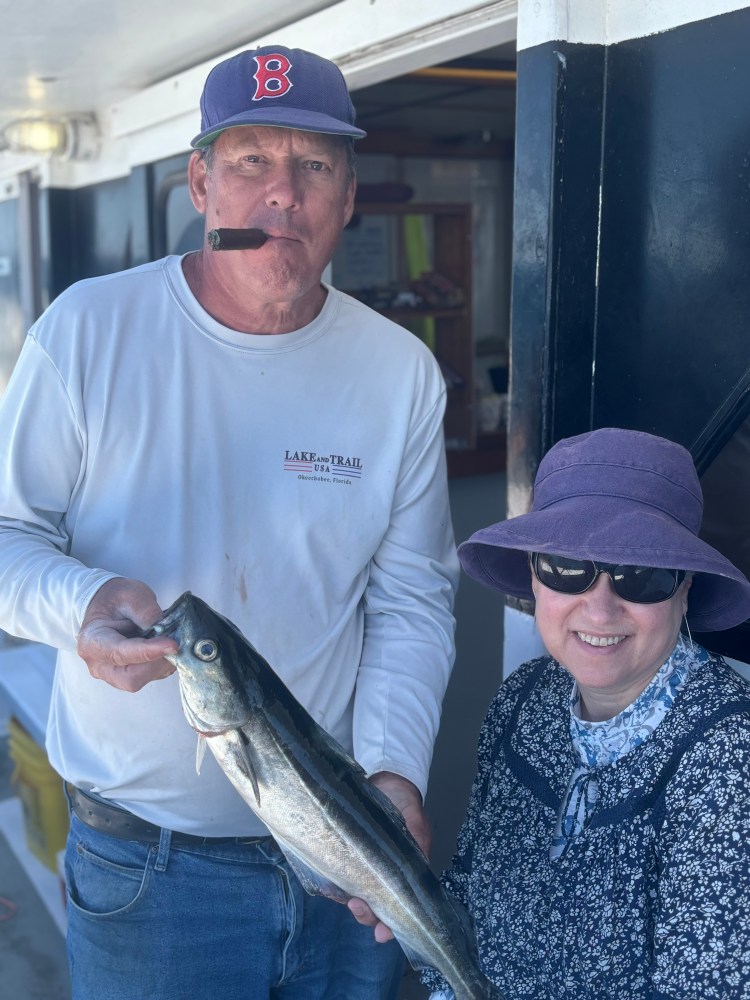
[(594, 528), (296, 118)]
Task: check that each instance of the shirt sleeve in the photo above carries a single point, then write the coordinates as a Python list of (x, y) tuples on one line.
[(702, 929), (42, 458), (408, 645)]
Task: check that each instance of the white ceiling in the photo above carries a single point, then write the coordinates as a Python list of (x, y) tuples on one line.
[(79, 56)]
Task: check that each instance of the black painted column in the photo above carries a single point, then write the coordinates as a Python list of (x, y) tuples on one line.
[(631, 274), (556, 235)]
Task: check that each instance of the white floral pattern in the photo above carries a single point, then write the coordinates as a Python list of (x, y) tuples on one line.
[(651, 899)]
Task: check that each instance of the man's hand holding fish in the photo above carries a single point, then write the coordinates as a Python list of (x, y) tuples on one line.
[(110, 641)]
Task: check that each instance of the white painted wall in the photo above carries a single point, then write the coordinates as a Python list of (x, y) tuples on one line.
[(371, 40), (607, 22), (521, 640)]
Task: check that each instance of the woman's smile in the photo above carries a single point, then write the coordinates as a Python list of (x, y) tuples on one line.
[(600, 640)]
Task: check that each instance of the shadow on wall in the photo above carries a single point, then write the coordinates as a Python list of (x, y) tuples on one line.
[(476, 501)]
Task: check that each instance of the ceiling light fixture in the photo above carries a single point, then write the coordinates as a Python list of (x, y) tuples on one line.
[(65, 138)]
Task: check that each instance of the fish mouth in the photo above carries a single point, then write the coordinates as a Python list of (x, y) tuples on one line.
[(169, 623)]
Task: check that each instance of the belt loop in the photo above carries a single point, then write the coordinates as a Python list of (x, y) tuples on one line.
[(162, 856)]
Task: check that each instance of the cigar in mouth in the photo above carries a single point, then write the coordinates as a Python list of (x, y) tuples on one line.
[(236, 239)]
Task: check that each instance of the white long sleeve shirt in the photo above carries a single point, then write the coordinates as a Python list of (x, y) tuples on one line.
[(296, 482)]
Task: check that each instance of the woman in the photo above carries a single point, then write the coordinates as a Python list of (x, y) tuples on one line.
[(606, 850)]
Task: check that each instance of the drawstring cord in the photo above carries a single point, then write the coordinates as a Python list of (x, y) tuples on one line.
[(578, 806)]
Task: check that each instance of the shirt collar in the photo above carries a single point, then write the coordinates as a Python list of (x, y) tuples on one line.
[(602, 743)]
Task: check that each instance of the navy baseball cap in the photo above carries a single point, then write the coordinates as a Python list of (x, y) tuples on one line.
[(273, 85)]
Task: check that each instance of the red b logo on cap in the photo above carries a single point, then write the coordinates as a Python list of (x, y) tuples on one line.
[(271, 77)]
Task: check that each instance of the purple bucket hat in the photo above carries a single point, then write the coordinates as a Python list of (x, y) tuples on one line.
[(616, 496), (274, 85)]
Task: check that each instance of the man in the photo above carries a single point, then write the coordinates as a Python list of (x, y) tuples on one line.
[(227, 424)]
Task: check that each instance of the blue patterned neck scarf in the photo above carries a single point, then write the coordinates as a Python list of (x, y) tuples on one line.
[(599, 744)]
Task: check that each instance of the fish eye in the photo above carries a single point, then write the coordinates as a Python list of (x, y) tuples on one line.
[(206, 649)]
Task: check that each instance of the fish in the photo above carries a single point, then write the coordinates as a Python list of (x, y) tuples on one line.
[(341, 835)]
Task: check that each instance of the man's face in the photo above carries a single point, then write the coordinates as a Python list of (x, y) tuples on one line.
[(296, 186)]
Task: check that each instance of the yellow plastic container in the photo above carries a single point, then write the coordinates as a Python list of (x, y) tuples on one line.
[(40, 789)]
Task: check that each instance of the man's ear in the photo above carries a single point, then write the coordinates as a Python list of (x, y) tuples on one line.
[(197, 182), (351, 193)]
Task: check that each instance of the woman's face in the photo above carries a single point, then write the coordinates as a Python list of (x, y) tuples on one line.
[(613, 648)]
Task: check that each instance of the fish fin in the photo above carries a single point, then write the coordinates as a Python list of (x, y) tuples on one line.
[(245, 765), (311, 881), (200, 753), (415, 960), (465, 928)]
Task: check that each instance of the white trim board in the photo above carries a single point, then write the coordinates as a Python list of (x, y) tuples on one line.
[(371, 40), (606, 22)]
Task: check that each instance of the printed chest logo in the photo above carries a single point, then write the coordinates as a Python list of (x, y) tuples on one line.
[(342, 470)]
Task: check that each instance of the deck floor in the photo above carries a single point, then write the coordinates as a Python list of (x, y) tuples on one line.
[(32, 915)]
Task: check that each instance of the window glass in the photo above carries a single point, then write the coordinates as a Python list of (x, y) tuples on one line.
[(184, 226), (11, 315)]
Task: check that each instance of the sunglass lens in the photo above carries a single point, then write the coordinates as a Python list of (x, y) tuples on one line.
[(567, 576), (645, 584)]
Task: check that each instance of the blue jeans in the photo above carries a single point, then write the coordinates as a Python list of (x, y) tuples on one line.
[(217, 922)]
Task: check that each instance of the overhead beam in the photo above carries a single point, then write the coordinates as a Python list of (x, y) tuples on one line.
[(459, 74)]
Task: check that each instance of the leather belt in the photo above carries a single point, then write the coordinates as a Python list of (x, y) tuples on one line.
[(108, 818)]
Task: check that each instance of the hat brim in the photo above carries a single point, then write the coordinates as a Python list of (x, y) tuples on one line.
[(296, 118), (591, 528)]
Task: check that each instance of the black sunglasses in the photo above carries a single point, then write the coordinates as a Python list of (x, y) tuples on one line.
[(638, 584)]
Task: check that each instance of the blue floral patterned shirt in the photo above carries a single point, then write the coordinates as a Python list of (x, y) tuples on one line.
[(649, 896)]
